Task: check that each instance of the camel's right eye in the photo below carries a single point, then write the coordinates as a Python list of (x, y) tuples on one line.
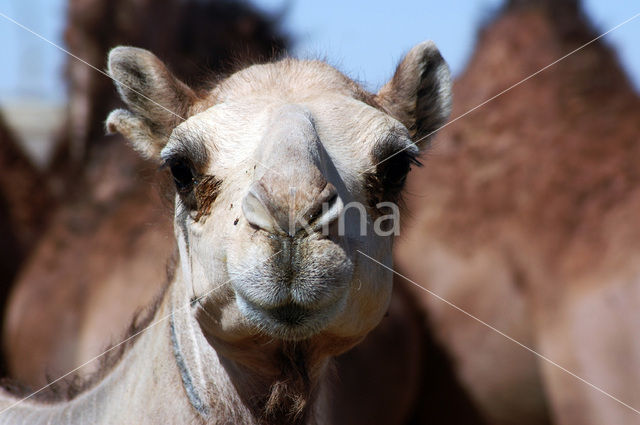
[(182, 175)]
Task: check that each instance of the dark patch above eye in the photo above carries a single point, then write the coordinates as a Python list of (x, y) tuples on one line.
[(206, 192)]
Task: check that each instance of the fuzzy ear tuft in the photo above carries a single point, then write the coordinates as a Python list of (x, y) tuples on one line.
[(136, 130), (419, 94), (157, 101)]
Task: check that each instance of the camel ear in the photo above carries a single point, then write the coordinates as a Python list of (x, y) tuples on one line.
[(156, 100), (419, 94)]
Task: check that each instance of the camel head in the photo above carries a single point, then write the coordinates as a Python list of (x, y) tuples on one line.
[(283, 172)]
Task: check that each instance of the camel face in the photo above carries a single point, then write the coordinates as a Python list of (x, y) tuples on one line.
[(300, 276), (279, 185)]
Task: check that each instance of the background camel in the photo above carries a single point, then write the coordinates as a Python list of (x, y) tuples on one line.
[(256, 319), (23, 199), (526, 216)]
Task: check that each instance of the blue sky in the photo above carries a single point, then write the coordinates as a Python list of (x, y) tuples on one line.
[(364, 39)]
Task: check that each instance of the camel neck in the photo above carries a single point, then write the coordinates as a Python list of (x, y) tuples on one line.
[(175, 373), (253, 381)]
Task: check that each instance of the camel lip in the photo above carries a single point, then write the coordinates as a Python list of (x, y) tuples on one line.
[(288, 321), (290, 314), (286, 297)]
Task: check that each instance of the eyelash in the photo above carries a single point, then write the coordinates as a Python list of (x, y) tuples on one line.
[(387, 182)]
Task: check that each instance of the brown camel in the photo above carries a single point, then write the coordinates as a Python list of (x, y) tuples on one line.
[(527, 217)]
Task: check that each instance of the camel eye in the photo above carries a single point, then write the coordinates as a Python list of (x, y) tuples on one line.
[(182, 175), (393, 172), (387, 182)]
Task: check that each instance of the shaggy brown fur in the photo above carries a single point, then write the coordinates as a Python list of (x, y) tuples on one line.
[(289, 397), (526, 212), (206, 191)]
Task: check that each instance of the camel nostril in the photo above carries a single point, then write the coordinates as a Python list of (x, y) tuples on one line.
[(322, 208), (268, 210), (331, 207), (256, 212), (332, 201)]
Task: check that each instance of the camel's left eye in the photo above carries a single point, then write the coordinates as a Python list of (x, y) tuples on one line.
[(182, 175), (387, 182)]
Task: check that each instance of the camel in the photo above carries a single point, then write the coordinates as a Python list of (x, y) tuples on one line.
[(266, 290), (526, 217)]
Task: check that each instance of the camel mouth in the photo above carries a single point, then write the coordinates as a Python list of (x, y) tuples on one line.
[(289, 321), (291, 291), (291, 314)]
